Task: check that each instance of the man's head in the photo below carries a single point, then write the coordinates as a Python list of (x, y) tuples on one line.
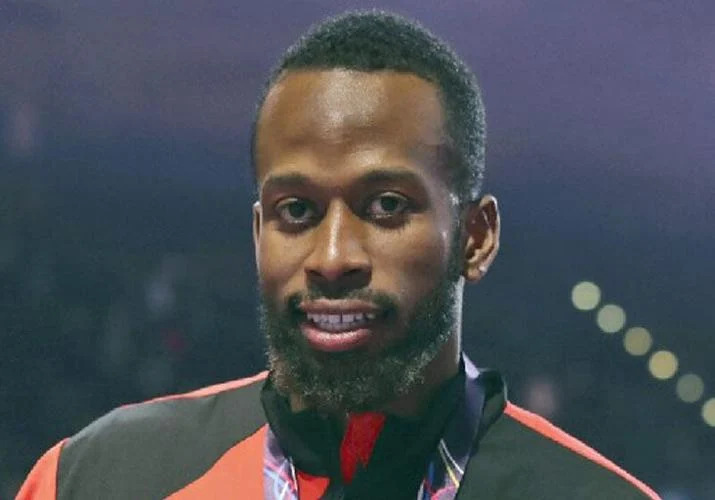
[(374, 41), (368, 151)]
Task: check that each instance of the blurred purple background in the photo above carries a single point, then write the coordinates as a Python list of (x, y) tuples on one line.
[(126, 264)]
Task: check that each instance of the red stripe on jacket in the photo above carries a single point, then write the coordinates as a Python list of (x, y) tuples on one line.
[(41, 483)]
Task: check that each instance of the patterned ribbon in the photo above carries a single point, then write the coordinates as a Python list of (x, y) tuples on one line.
[(444, 470)]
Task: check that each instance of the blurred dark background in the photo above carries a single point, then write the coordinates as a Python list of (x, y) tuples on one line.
[(126, 261)]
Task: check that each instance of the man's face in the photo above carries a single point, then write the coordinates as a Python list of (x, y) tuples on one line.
[(357, 245)]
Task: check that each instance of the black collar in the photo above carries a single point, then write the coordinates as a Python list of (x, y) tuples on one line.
[(401, 453)]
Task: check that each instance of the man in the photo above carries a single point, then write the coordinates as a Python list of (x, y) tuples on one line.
[(368, 150)]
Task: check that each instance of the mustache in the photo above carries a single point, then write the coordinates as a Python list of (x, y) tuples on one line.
[(381, 300)]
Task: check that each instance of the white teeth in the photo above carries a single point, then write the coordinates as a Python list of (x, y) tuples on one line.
[(337, 322)]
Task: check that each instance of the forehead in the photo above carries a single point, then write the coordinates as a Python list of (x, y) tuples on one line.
[(335, 114)]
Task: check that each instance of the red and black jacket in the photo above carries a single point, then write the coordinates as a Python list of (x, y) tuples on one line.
[(211, 443)]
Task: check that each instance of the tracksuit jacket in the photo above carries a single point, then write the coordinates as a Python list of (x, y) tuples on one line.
[(217, 443)]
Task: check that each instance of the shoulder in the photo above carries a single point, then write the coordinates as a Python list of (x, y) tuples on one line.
[(526, 456), (162, 420), (570, 456), (152, 448)]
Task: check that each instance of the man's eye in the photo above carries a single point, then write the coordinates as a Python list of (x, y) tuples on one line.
[(388, 205), (295, 211)]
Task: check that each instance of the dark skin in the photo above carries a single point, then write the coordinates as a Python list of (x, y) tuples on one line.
[(354, 193)]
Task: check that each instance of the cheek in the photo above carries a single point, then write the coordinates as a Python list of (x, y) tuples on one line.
[(279, 262), (415, 258)]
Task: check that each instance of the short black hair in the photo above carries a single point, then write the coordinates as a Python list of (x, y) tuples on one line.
[(375, 40)]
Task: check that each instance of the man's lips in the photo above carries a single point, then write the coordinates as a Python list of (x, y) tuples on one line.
[(335, 326)]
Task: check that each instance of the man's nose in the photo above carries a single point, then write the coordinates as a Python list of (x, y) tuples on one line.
[(339, 258)]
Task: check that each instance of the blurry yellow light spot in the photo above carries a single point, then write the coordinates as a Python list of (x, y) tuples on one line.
[(611, 318), (637, 341), (709, 412), (690, 388), (663, 365), (585, 296)]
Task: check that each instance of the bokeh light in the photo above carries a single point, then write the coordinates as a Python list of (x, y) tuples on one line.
[(541, 396), (709, 412), (611, 318), (585, 296), (690, 388), (663, 365), (637, 341)]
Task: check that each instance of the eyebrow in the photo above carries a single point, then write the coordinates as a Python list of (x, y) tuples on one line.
[(375, 176)]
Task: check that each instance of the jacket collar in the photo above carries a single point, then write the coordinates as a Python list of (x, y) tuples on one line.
[(480, 402)]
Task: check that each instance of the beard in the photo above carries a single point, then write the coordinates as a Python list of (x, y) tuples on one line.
[(356, 380)]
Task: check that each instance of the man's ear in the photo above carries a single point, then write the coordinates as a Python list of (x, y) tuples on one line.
[(482, 229), (257, 220)]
